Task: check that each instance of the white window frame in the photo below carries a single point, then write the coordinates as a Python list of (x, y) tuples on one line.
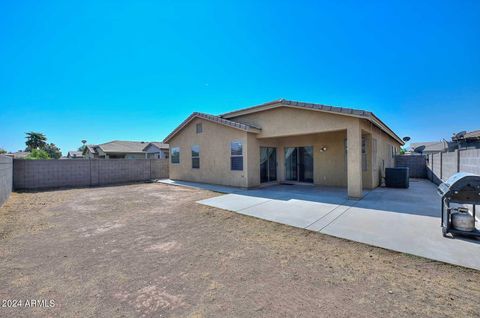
[(236, 155), (172, 150), (199, 125), (364, 153), (196, 157)]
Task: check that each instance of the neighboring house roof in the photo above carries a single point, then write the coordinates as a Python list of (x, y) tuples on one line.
[(215, 119), (317, 107), (75, 154), (18, 154), (158, 145), (429, 146), (90, 148), (123, 146), (475, 134), (472, 134)]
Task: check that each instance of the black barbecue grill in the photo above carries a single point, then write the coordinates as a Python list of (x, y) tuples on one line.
[(461, 189)]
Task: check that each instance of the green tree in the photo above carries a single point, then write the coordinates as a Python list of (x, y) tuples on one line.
[(38, 154), (53, 151), (2, 151), (35, 140)]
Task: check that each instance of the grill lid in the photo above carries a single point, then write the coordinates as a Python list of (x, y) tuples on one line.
[(461, 187)]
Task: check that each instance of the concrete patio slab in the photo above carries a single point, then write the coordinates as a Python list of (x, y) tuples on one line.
[(296, 213), (408, 233), (234, 202), (204, 186), (403, 220)]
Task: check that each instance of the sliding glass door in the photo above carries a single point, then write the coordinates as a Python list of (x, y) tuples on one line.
[(299, 164), (291, 167), (268, 164)]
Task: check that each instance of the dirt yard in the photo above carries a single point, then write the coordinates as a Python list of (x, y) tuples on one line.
[(149, 250)]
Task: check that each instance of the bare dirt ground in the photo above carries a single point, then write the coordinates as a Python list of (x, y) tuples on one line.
[(149, 250)]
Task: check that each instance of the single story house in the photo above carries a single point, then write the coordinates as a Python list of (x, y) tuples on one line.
[(75, 155), (119, 149), (284, 141), (156, 150), (429, 147), (465, 140), (18, 155)]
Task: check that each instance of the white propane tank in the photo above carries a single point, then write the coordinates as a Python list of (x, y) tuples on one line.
[(462, 220)]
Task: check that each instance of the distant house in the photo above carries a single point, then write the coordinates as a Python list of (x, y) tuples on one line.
[(429, 147), (119, 149), (75, 155), (461, 140), (156, 150), (18, 154), (465, 140)]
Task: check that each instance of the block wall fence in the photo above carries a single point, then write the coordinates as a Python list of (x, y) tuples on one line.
[(38, 174)]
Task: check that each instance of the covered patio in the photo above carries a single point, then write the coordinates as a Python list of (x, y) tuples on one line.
[(335, 157), (403, 220)]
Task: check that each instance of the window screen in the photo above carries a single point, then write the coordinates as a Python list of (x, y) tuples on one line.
[(199, 128), (236, 156), (196, 157), (175, 155), (364, 154)]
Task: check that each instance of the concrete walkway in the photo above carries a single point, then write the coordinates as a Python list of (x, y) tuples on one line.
[(403, 220)]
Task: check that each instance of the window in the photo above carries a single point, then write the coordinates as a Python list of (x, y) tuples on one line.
[(196, 157), (374, 153), (175, 155), (364, 154), (236, 156), (199, 128)]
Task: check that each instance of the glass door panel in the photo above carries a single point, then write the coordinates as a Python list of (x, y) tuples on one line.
[(291, 169), (263, 164), (272, 164), (299, 164), (305, 164), (268, 164)]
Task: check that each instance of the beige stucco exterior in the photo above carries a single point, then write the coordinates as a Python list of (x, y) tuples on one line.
[(281, 127), (214, 144)]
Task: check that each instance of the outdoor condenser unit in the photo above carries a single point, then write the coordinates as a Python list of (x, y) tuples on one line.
[(397, 177), (461, 189)]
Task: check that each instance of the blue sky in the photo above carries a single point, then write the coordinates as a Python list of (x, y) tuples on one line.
[(133, 70)]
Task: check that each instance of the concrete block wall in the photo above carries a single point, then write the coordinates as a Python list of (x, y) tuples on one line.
[(38, 174), (6, 177), (441, 166), (470, 161), (449, 164), (436, 166), (416, 164), (159, 169)]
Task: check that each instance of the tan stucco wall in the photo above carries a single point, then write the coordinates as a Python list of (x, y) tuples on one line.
[(384, 158), (214, 144), (285, 121)]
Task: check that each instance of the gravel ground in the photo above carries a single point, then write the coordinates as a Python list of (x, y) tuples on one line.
[(149, 250)]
